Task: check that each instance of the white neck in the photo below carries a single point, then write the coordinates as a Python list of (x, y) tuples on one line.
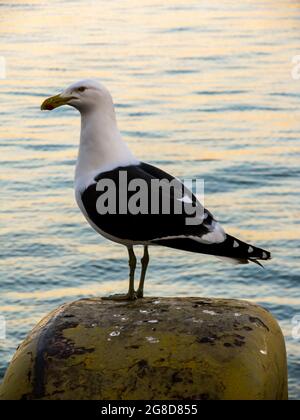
[(101, 146)]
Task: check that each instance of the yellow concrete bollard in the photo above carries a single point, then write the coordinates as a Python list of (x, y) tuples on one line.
[(151, 349)]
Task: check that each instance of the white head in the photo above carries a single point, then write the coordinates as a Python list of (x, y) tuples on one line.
[(101, 145), (85, 95)]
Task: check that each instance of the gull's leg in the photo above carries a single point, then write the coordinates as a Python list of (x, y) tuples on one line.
[(132, 267), (145, 262), (131, 295)]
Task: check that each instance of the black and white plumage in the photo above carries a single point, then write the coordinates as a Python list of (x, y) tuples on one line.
[(104, 155)]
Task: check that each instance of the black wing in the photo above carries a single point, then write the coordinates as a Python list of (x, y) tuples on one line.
[(148, 227), (170, 229)]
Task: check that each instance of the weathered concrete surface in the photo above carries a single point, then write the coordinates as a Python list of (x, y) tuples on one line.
[(155, 348)]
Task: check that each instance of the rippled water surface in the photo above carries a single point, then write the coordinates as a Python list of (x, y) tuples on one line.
[(202, 89)]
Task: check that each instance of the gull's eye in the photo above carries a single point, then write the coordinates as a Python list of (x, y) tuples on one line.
[(81, 89)]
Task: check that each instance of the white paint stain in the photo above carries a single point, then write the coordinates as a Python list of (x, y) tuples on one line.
[(237, 314), (209, 312), (142, 311), (198, 321), (264, 352), (114, 333), (152, 340), (153, 321)]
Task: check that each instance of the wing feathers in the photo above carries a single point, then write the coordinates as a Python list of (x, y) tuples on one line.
[(170, 229)]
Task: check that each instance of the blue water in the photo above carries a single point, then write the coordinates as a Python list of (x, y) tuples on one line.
[(202, 89)]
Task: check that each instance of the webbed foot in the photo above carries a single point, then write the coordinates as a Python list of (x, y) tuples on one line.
[(121, 297), (139, 294)]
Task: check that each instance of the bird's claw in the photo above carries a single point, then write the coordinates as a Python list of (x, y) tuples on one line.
[(139, 294), (121, 297)]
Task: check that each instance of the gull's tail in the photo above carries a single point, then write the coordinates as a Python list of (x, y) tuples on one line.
[(242, 253), (231, 249)]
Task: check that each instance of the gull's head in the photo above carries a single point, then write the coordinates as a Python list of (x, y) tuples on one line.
[(85, 95)]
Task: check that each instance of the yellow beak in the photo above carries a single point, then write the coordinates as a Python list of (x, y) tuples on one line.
[(55, 102)]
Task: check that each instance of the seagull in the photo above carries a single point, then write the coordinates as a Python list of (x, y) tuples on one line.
[(104, 160)]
